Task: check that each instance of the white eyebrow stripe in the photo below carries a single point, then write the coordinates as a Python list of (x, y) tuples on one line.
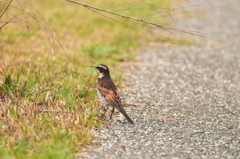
[(102, 67)]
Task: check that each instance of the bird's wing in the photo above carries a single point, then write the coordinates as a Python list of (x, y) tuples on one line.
[(111, 93), (109, 90)]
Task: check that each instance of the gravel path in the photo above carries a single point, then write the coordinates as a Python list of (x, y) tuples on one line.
[(189, 96)]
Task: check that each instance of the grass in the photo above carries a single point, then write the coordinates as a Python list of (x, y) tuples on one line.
[(48, 105)]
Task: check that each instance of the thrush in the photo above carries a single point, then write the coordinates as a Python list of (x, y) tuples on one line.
[(107, 91)]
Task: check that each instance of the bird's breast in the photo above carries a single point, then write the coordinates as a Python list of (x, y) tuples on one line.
[(102, 98)]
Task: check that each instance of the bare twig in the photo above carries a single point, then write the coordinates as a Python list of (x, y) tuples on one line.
[(7, 22), (5, 9), (136, 5), (123, 3), (172, 13), (168, 9), (149, 33), (46, 27), (140, 20), (171, 9), (122, 23), (133, 7), (13, 21)]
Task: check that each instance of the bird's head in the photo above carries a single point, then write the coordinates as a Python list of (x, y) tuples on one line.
[(102, 69)]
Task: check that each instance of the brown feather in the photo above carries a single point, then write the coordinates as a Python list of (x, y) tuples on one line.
[(110, 93), (108, 89)]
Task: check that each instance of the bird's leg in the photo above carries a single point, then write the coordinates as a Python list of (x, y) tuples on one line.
[(111, 113), (105, 110)]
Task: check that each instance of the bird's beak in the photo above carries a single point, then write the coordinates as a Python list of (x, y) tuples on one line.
[(93, 66)]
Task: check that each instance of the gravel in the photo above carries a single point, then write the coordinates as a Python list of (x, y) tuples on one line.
[(187, 98)]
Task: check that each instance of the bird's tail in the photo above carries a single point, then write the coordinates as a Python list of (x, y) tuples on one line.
[(125, 114)]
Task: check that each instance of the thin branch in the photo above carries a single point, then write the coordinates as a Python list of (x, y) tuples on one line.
[(7, 22), (12, 21), (135, 5), (119, 10), (122, 23), (123, 3), (167, 14), (159, 39), (148, 32), (151, 14), (165, 9), (169, 9), (5, 9), (47, 28), (140, 20), (23, 14)]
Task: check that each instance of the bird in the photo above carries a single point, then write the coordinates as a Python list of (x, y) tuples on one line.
[(107, 91)]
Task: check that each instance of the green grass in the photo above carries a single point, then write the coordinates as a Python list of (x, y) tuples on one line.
[(52, 115)]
